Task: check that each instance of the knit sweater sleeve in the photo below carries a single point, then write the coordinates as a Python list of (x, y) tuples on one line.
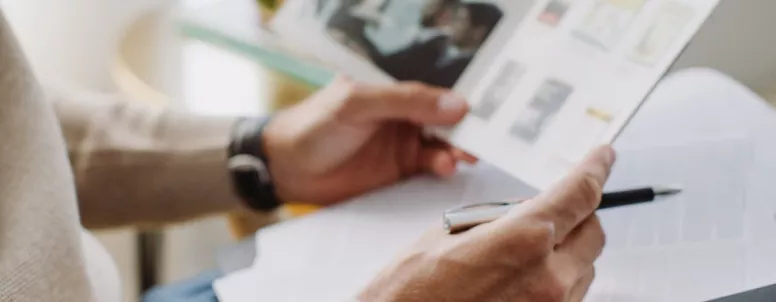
[(41, 255), (137, 164)]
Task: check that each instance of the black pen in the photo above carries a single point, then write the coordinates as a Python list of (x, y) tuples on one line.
[(467, 217), (635, 196)]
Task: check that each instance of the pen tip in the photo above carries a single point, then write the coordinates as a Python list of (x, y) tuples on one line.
[(667, 190)]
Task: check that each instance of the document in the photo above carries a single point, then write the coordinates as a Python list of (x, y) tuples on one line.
[(691, 247), (334, 253), (696, 246), (548, 80)]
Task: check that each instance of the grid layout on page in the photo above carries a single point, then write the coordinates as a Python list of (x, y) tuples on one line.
[(713, 176)]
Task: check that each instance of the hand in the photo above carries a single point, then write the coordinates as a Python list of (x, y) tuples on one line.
[(352, 138), (543, 250)]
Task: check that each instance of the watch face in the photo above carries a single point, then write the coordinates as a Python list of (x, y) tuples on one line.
[(248, 163)]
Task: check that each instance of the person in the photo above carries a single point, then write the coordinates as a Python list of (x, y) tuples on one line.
[(442, 60), (347, 26), (436, 19), (434, 25), (319, 6), (90, 161)]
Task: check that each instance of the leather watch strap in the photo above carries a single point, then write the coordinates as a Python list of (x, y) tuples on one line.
[(249, 165)]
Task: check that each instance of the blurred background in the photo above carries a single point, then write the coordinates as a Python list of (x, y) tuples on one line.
[(213, 57)]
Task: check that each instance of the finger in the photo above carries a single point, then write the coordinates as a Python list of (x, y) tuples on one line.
[(584, 244), (579, 291), (438, 161), (463, 156), (577, 196), (412, 102), (458, 154)]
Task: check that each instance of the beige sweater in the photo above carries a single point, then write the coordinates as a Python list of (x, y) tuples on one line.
[(131, 164)]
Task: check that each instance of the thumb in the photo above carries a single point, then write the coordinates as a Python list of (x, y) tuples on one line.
[(412, 102)]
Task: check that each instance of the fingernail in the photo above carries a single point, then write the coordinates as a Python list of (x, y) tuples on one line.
[(609, 155), (451, 103)]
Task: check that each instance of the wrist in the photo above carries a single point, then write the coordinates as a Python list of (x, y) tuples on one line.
[(249, 165)]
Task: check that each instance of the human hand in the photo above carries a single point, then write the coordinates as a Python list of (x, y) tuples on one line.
[(543, 250), (352, 138)]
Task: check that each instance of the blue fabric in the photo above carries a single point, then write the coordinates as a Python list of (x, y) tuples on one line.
[(198, 289)]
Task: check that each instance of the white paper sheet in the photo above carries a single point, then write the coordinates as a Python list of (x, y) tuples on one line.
[(693, 247), (336, 252), (696, 246)]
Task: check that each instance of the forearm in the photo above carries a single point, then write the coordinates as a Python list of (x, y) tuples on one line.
[(137, 164)]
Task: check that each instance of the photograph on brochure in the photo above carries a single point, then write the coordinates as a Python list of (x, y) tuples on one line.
[(541, 110), (555, 11), (608, 21), (431, 41), (668, 24), (500, 90)]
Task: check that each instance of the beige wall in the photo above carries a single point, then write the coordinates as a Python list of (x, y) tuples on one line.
[(46, 25), (739, 40)]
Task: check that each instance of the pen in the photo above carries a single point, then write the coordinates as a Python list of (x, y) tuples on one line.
[(464, 218), (636, 196)]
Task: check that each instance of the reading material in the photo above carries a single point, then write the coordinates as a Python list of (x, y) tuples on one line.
[(547, 79), (691, 247)]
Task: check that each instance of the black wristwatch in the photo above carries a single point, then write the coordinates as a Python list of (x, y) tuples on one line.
[(249, 165)]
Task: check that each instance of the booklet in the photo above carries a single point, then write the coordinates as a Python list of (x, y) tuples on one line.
[(547, 80)]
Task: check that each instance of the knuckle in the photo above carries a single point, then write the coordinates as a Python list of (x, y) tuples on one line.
[(589, 189), (533, 238), (545, 232), (350, 91), (414, 90), (540, 237), (599, 231), (343, 84), (414, 86), (552, 290), (346, 98)]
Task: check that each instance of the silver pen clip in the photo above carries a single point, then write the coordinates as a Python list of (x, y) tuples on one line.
[(466, 217)]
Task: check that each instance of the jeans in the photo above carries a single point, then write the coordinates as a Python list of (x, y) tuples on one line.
[(198, 289)]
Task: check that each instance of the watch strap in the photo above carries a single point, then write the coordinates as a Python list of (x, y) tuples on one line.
[(249, 165)]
